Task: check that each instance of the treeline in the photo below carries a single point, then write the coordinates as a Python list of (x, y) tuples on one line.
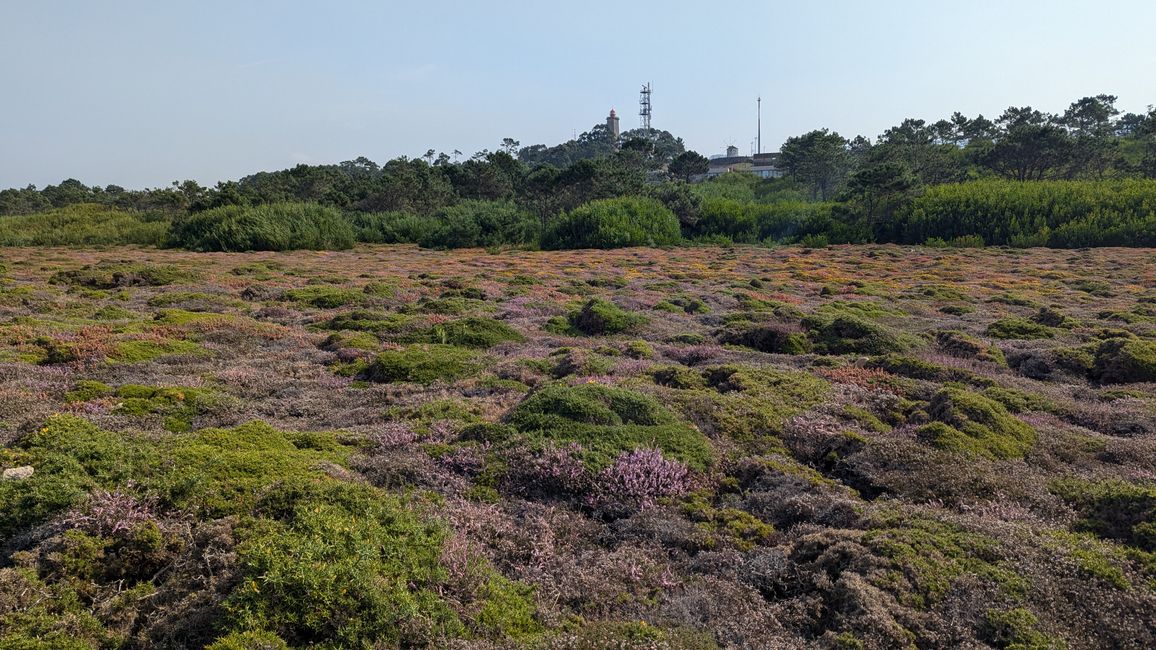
[(1080, 178)]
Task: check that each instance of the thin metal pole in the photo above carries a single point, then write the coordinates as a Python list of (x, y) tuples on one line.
[(760, 102)]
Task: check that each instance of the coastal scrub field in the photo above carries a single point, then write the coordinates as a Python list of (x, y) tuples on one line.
[(872, 446)]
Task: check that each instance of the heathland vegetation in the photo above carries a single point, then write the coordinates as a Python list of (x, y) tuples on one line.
[(854, 447), (684, 444), (1086, 177)]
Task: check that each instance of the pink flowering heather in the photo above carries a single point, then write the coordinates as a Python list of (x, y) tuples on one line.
[(109, 514), (642, 476)]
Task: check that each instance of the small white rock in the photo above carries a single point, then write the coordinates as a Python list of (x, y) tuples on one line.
[(18, 473)]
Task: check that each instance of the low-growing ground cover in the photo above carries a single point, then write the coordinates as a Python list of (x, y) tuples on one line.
[(849, 447)]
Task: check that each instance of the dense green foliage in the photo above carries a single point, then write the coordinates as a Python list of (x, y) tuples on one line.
[(84, 224), (608, 421), (614, 223), (273, 227), (1060, 214)]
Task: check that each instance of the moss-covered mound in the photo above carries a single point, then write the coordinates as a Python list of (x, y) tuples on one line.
[(471, 332), (832, 332), (975, 425), (607, 421), (1122, 361), (110, 275), (599, 316), (423, 364)]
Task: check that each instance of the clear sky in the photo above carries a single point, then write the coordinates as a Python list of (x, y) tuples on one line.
[(143, 92)]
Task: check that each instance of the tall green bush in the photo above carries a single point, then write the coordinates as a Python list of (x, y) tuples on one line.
[(272, 227), (84, 224), (1060, 214), (614, 223)]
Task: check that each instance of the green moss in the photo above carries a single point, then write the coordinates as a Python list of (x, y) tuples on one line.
[(178, 405), (916, 368), (355, 340), (182, 317), (325, 296), (774, 338), (423, 364), (975, 425), (47, 616), (607, 421), (866, 419), (136, 351), (1013, 327), (639, 350), (679, 377), (1093, 558), (749, 405), (598, 317), (730, 526), (373, 321)]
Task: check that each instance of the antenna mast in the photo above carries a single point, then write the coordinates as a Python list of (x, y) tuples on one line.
[(644, 108), (760, 122)]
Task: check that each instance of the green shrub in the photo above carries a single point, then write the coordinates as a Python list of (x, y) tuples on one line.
[(607, 421), (835, 332), (1121, 361), (391, 227), (324, 296), (975, 425), (1018, 629), (249, 641), (270, 227), (84, 224), (71, 457), (965, 346), (344, 564), (220, 472), (471, 332), (422, 364), (1013, 327), (110, 275), (480, 224), (614, 223), (1113, 509), (598, 317), (771, 337), (1060, 214)]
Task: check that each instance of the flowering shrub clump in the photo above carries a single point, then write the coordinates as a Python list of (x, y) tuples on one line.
[(641, 477)]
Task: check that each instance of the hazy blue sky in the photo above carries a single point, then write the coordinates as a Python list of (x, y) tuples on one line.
[(140, 93)]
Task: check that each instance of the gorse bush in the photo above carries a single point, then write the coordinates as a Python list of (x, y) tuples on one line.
[(614, 223), (84, 224), (272, 227)]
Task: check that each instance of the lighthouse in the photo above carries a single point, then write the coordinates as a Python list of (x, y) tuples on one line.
[(612, 125)]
